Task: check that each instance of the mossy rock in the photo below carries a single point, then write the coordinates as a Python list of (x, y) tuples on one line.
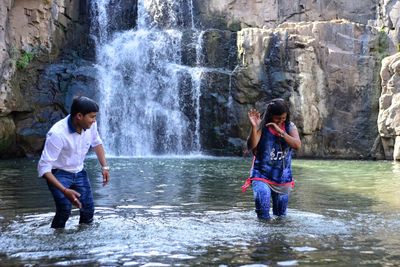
[(7, 134)]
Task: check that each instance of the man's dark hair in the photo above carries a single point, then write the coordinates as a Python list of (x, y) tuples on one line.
[(83, 105)]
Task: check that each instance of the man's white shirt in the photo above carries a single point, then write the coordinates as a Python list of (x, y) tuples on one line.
[(66, 149)]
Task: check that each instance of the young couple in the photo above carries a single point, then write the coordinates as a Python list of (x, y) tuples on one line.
[(272, 138)]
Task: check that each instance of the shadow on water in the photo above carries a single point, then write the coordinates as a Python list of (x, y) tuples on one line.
[(175, 211)]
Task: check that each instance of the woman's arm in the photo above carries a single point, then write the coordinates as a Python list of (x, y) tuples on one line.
[(255, 134), (292, 138)]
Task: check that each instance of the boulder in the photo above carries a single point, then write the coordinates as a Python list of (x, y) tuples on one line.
[(389, 107), (7, 136)]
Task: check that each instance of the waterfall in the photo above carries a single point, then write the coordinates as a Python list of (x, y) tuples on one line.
[(149, 100), (100, 23)]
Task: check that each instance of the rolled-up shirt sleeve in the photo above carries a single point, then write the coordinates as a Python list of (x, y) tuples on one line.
[(96, 140), (50, 153)]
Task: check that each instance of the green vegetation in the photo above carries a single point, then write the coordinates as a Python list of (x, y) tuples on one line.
[(383, 44), (234, 26), (24, 60)]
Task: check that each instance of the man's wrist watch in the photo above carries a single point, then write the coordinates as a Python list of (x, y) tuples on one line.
[(105, 168)]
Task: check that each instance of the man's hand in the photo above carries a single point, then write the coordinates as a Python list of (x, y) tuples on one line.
[(105, 170), (254, 117), (73, 196), (106, 176)]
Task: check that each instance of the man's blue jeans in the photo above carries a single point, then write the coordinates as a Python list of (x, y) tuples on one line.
[(262, 195), (80, 183)]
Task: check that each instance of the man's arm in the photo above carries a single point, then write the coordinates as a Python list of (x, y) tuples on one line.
[(101, 156), (50, 153)]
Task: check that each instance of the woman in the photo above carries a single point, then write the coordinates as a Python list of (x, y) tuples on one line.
[(272, 140)]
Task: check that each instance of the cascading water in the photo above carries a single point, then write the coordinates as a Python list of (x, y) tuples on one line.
[(149, 101)]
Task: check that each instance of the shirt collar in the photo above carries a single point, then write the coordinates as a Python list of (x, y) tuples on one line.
[(71, 127)]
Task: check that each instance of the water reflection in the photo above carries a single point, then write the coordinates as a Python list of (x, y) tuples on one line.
[(163, 212)]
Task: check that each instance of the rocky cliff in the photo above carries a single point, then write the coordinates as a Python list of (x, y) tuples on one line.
[(323, 56), (33, 34), (46, 58)]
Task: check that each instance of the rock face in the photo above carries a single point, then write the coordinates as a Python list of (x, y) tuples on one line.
[(271, 13), (389, 107), (323, 56), (327, 70), (49, 99), (389, 20), (31, 34), (331, 64), (318, 67), (46, 58)]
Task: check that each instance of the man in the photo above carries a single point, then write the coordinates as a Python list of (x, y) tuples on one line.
[(61, 163)]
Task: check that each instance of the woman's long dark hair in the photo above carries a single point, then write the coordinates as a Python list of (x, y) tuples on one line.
[(275, 107)]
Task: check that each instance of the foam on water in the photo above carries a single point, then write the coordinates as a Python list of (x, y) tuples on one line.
[(134, 232)]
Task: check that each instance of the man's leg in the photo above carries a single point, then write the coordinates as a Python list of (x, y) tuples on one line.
[(82, 185), (63, 205), (279, 203), (262, 196)]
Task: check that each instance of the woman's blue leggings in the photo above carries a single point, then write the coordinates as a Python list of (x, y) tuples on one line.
[(262, 195)]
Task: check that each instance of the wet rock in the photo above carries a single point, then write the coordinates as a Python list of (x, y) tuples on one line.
[(318, 72), (389, 107), (215, 113), (219, 49), (51, 99), (121, 14), (243, 14), (7, 136)]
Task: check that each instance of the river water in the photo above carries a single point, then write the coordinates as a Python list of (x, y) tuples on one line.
[(191, 212)]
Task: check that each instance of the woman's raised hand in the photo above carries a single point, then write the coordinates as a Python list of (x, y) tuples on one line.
[(254, 117)]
